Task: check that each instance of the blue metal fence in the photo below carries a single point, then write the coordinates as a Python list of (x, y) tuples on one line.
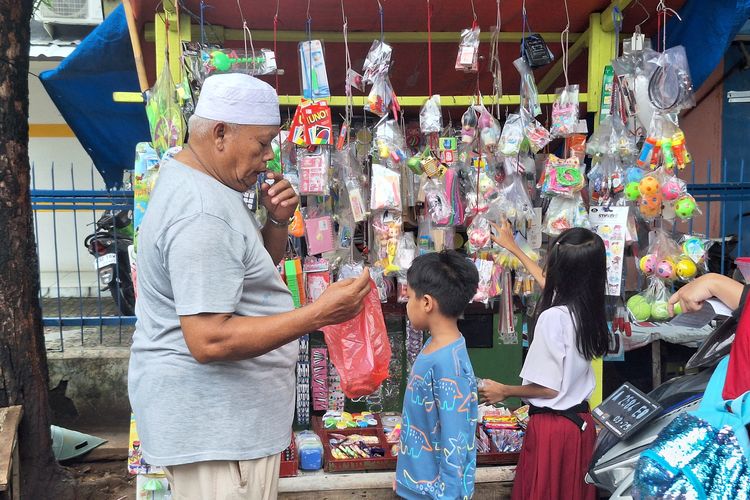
[(71, 297)]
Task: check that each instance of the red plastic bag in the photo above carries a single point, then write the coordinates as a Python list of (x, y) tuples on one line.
[(360, 349)]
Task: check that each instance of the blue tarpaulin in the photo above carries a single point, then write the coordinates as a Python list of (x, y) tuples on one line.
[(81, 87), (706, 30)]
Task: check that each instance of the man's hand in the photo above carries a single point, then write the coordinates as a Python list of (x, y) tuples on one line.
[(343, 300), (280, 200), (492, 392)]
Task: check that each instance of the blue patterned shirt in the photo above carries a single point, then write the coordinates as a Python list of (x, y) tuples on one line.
[(437, 457)]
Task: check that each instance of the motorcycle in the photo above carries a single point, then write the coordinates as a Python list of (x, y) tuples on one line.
[(614, 460), (110, 245)]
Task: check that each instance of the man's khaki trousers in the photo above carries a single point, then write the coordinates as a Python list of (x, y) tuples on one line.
[(225, 480)]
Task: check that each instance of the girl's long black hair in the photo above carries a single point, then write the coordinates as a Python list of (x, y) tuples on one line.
[(576, 277)]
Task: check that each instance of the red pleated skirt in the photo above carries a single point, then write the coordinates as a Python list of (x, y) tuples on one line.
[(554, 460)]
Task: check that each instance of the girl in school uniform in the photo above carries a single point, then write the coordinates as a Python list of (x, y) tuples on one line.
[(571, 330)]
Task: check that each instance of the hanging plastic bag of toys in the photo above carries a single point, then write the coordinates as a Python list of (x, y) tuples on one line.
[(467, 59), (430, 116), (565, 112)]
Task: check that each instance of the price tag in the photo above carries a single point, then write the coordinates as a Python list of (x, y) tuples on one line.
[(625, 411)]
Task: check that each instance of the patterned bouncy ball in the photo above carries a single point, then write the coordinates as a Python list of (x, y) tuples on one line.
[(649, 186), (650, 205), (632, 191), (648, 264), (671, 190), (665, 269), (685, 207), (686, 269)]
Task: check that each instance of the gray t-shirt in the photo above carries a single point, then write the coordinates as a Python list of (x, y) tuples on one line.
[(200, 250)]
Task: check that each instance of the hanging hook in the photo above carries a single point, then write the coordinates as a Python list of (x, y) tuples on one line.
[(648, 16), (474, 12)]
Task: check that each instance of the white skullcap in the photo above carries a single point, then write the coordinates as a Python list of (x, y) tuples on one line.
[(238, 98)]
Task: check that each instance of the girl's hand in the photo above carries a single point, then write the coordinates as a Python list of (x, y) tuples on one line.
[(504, 236), (493, 392)]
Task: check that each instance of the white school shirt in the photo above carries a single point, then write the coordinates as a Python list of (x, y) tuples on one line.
[(553, 361)]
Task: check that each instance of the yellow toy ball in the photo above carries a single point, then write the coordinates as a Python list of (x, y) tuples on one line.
[(686, 268)]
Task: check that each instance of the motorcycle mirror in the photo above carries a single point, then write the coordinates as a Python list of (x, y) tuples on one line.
[(715, 347)]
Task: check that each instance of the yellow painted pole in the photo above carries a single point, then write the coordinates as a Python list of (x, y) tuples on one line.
[(168, 31), (601, 52), (404, 101), (221, 34)]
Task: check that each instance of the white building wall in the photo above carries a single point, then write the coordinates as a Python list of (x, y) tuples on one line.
[(52, 154)]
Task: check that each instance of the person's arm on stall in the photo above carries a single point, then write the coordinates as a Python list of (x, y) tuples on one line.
[(280, 201), (691, 296), (228, 337), (506, 240), (494, 392)]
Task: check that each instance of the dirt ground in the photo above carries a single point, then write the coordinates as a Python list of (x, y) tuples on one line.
[(103, 480)]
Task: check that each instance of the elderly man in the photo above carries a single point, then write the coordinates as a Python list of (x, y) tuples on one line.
[(211, 377)]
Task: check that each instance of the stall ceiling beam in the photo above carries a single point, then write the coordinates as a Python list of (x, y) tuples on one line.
[(608, 23), (405, 101), (222, 34)]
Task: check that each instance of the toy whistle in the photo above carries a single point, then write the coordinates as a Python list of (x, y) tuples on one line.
[(655, 156), (667, 152), (680, 152), (646, 152)]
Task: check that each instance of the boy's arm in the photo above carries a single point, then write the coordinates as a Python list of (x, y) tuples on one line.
[(456, 401)]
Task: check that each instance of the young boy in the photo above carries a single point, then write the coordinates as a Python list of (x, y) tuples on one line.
[(437, 457)]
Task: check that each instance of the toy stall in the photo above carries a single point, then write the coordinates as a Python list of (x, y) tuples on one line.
[(409, 128)]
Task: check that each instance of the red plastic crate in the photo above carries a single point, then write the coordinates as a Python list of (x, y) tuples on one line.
[(289, 468), (387, 462)]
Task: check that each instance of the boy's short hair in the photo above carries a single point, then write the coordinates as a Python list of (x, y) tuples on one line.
[(449, 277)]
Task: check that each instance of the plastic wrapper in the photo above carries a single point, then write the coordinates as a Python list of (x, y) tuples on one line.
[(385, 188), (512, 135), (468, 51), (661, 256), (566, 213), (164, 114), (482, 191), (478, 233), (670, 88), (535, 132), (469, 123), (360, 349), (407, 251), (518, 207), (380, 98), (377, 62), (651, 304), (402, 294), (383, 284), (484, 289), (565, 112), (437, 202), (529, 93), (430, 116), (390, 144), (313, 75), (562, 177), (387, 230), (489, 130), (259, 62), (313, 172), (598, 143)]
